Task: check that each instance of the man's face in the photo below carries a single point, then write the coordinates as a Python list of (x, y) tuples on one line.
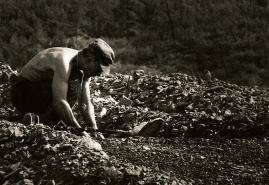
[(91, 67)]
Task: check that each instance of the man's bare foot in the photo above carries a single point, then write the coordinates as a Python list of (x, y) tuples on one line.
[(30, 118)]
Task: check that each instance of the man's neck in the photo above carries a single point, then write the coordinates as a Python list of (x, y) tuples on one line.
[(75, 69), (74, 61)]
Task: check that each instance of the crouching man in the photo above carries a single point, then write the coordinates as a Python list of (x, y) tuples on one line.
[(47, 86)]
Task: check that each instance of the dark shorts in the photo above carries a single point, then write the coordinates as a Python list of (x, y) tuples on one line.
[(36, 97)]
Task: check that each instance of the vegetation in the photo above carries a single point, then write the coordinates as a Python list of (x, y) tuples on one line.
[(229, 38)]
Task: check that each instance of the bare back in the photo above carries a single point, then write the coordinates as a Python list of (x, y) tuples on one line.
[(46, 63)]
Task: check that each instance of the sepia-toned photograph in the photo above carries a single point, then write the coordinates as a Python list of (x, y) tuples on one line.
[(134, 92)]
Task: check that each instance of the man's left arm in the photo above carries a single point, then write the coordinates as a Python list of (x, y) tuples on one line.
[(85, 104)]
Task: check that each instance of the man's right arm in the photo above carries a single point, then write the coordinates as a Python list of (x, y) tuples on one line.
[(60, 104)]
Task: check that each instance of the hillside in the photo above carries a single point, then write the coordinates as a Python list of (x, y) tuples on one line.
[(213, 132), (229, 38)]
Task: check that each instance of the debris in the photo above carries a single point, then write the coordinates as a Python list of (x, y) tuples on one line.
[(176, 105), (136, 172), (103, 112), (152, 128), (181, 102), (146, 148), (125, 101)]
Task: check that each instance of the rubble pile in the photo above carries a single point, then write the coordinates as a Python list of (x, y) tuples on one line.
[(186, 106), (191, 107), (38, 154), (6, 107)]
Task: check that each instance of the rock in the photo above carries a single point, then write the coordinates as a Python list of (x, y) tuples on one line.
[(136, 172), (103, 112), (138, 128), (146, 148), (147, 129), (152, 128), (175, 132), (66, 147), (4, 78), (138, 73), (200, 127), (183, 128), (112, 172), (47, 182), (26, 182), (90, 143), (125, 101)]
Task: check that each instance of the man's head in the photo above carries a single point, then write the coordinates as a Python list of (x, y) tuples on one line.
[(96, 58)]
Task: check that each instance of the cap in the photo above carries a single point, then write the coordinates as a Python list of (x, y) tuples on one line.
[(103, 52)]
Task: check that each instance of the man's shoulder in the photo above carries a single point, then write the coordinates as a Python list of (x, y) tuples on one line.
[(56, 56), (59, 50)]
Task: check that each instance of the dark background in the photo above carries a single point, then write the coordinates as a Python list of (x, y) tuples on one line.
[(228, 37)]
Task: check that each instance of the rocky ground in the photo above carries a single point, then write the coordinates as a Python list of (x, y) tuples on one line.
[(197, 161), (212, 132)]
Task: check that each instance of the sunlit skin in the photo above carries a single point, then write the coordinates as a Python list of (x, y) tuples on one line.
[(57, 64)]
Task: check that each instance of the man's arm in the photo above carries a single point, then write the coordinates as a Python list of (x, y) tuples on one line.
[(86, 105), (60, 104)]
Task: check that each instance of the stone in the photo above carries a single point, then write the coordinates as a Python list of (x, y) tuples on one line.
[(125, 101)]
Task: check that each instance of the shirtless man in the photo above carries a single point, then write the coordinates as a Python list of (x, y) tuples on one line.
[(45, 82)]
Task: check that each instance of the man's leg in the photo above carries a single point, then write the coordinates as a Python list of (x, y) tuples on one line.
[(33, 97)]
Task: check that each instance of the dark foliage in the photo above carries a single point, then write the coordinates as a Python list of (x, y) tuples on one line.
[(229, 38)]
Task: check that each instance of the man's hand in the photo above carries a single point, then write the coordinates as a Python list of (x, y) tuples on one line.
[(94, 133), (85, 134), (98, 135)]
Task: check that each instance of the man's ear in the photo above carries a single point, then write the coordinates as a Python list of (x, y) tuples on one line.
[(88, 51)]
